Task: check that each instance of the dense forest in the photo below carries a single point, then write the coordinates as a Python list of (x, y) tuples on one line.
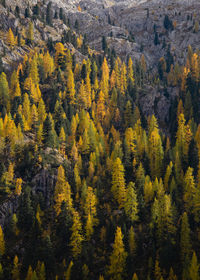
[(122, 190)]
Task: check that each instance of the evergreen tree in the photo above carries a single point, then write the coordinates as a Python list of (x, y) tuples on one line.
[(194, 268), (76, 237), (4, 90), (10, 38), (131, 204), (30, 33), (116, 269), (118, 183), (49, 14), (2, 242)]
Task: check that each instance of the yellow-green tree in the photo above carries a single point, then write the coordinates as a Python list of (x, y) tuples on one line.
[(76, 237), (185, 244), (135, 277), (193, 268), (70, 87), (130, 73), (4, 90), (2, 242), (34, 70), (184, 137), (48, 63), (10, 38), (118, 183), (62, 140), (29, 273), (131, 241), (62, 192), (101, 110), (105, 78), (18, 186), (15, 270), (131, 204), (67, 274), (116, 269), (156, 153), (189, 189), (30, 32)]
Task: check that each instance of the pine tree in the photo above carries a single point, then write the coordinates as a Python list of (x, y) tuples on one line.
[(76, 237), (131, 241), (157, 271), (183, 138), (41, 111), (123, 79), (128, 116), (194, 268), (70, 87), (15, 270), (162, 216), (49, 14), (41, 273), (116, 269), (10, 38), (118, 183), (89, 227), (50, 136), (62, 140), (4, 90), (148, 190), (155, 153), (62, 192), (17, 92), (130, 72), (60, 55), (48, 63), (68, 271), (34, 276), (90, 203), (135, 277), (29, 273), (18, 186), (34, 71), (131, 204), (101, 110), (172, 276), (189, 189), (185, 243), (167, 175), (1, 272), (105, 78), (30, 33), (2, 242)]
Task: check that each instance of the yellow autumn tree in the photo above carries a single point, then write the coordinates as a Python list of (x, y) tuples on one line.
[(18, 186), (118, 257), (76, 237), (48, 63), (2, 242), (118, 182), (34, 70), (10, 38), (104, 84), (62, 192), (70, 87), (16, 270), (62, 140), (101, 110)]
